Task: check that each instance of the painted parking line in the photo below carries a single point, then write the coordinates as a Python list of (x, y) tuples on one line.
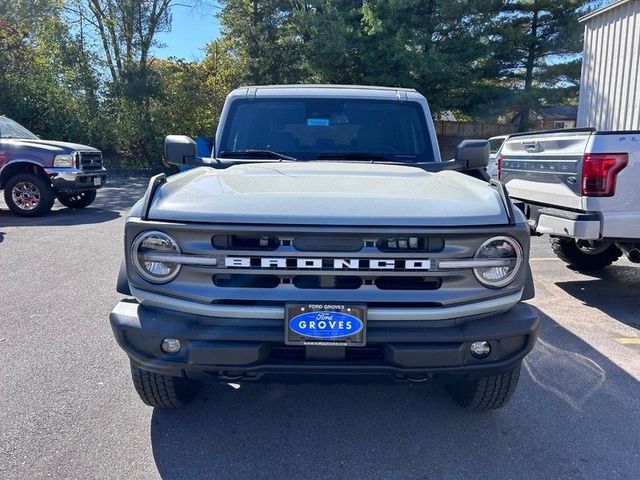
[(628, 340)]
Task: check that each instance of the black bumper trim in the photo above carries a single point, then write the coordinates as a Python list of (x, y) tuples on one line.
[(243, 352), (533, 212)]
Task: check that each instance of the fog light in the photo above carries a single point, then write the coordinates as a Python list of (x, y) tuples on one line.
[(480, 349), (170, 345)]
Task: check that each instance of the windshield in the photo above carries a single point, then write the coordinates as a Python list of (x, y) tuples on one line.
[(11, 129), (313, 129)]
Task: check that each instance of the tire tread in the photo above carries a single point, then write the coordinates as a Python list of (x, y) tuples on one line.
[(488, 393), (85, 200), (567, 251), (162, 391)]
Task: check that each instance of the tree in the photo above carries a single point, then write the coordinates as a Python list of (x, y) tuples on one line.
[(330, 33), (46, 77), (192, 93), (438, 47), (126, 32), (29, 13), (535, 47), (83, 70), (264, 38), (435, 46)]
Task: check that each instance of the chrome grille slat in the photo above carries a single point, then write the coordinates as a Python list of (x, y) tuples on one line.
[(360, 273)]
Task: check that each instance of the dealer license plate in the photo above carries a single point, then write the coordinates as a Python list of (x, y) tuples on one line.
[(325, 324)]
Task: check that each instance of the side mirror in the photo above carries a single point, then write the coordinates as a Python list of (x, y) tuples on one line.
[(475, 153), (180, 150)]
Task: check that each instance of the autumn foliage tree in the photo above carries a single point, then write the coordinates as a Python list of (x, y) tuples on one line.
[(88, 70)]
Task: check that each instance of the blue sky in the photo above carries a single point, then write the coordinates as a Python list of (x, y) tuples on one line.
[(191, 30)]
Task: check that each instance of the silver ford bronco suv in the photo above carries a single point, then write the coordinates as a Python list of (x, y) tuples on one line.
[(325, 239)]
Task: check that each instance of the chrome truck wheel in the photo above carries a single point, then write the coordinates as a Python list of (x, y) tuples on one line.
[(26, 195)]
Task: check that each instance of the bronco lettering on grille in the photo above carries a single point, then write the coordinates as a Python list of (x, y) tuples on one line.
[(327, 263)]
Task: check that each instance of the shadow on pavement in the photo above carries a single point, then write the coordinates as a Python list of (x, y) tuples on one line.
[(61, 217), (613, 290), (573, 416), (120, 194), (114, 200)]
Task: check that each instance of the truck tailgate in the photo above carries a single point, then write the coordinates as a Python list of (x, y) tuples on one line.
[(545, 168)]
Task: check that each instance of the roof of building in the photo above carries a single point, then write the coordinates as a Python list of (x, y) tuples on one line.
[(552, 112), (606, 8), (558, 112)]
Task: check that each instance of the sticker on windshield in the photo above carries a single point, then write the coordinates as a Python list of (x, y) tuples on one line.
[(318, 122)]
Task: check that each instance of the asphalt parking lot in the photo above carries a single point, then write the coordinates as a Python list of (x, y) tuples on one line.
[(68, 409)]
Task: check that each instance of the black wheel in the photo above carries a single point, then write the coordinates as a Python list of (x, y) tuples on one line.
[(585, 254), (486, 393), (77, 199), (29, 195), (163, 391)]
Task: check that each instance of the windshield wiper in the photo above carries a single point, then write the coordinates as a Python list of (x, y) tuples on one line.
[(358, 156), (254, 153)]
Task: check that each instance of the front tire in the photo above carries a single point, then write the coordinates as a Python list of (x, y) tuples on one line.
[(163, 391), (584, 254), (29, 195), (77, 199), (487, 393)]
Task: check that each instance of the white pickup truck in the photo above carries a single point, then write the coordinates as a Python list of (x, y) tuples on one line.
[(582, 188)]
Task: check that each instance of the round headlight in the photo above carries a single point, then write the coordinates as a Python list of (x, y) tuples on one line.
[(147, 252), (503, 256)]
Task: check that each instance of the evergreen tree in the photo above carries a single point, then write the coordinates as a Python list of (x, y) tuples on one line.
[(535, 49)]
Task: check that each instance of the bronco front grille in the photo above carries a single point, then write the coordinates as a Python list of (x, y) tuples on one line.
[(325, 261), (274, 265), (90, 160)]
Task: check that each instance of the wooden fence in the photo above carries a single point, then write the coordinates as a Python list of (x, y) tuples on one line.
[(450, 134)]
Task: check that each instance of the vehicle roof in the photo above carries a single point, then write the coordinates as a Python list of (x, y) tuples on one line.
[(327, 85), (352, 91)]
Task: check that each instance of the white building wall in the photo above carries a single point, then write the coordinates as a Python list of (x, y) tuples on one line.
[(610, 83)]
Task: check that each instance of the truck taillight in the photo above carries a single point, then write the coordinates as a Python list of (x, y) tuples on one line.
[(599, 171), (499, 164)]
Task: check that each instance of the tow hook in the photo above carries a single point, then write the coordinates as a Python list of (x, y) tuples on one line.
[(229, 377), (415, 379)]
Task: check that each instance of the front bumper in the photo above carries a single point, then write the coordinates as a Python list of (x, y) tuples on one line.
[(562, 223), (66, 180), (245, 349)]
